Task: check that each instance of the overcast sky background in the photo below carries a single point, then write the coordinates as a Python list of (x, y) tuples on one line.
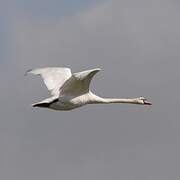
[(137, 44)]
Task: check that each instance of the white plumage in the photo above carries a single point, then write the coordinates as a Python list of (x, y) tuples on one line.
[(71, 90)]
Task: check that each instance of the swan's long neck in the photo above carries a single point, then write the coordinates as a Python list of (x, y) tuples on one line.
[(97, 100), (117, 100)]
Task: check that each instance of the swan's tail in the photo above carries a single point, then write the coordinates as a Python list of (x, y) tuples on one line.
[(46, 103), (42, 105)]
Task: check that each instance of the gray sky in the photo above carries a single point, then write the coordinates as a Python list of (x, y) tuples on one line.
[(137, 44)]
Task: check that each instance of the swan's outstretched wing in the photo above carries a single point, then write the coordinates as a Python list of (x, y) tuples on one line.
[(54, 77), (78, 83)]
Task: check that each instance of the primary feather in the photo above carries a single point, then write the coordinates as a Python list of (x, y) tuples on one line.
[(54, 78)]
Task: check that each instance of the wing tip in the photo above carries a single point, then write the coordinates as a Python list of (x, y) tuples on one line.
[(96, 70), (99, 69), (34, 105), (27, 72)]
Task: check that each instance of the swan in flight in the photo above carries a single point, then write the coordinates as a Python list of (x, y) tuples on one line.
[(71, 90)]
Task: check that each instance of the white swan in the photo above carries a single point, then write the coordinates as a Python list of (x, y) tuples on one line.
[(71, 91)]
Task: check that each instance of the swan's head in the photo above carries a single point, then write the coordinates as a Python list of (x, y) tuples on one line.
[(143, 101)]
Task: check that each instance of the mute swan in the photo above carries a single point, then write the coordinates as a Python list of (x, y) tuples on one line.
[(71, 91)]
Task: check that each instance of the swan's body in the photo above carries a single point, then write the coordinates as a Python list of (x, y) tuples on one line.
[(70, 91)]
